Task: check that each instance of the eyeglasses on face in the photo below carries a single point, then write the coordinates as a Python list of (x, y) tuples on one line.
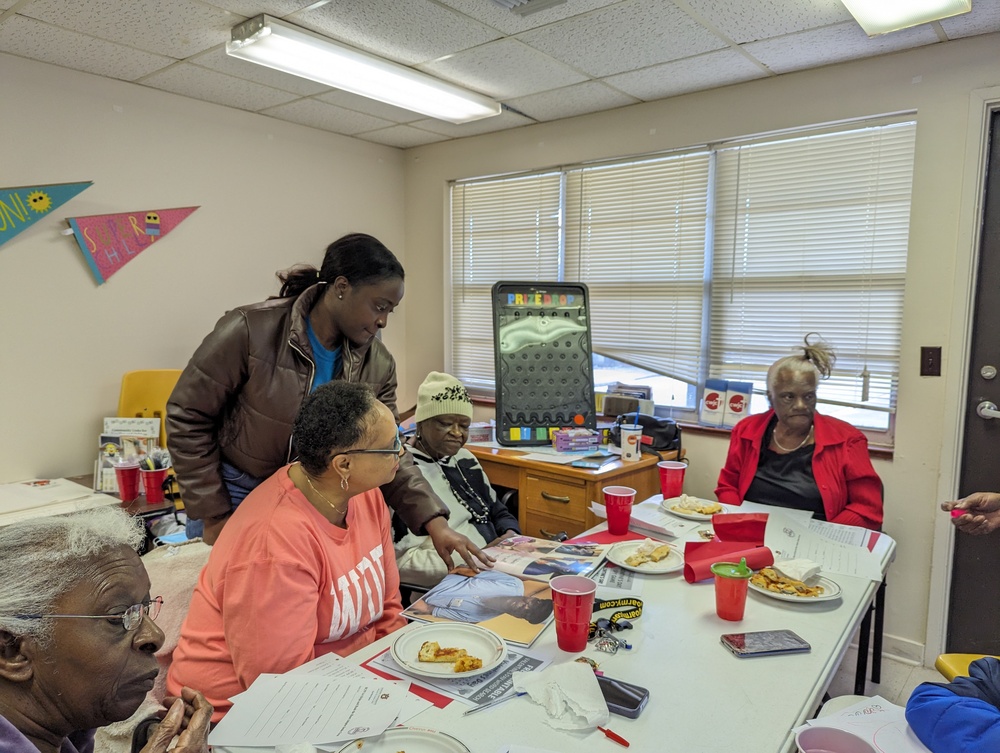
[(397, 449), (131, 618)]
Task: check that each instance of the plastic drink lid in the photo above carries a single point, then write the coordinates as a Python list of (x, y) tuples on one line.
[(732, 570)]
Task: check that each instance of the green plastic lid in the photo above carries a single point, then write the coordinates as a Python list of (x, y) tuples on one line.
[(732, 570)]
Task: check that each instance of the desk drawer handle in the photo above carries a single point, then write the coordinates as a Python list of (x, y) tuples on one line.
[(561, 536), (554, 498)]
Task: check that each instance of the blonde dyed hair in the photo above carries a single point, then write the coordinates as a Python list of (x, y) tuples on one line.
[(815, 356)]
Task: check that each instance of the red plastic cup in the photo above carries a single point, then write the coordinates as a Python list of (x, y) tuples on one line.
[(152, 484), (573, 604), (618, 502), (671, 478), (128, 482), (731, 581)]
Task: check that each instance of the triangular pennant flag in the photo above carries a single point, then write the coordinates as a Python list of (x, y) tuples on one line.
[(110, 241), (20, 208)]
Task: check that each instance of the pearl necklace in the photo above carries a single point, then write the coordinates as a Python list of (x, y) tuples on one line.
[(800, 445), (321, 495)]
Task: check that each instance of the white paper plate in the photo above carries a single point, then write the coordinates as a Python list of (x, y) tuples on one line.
[(831, 590), (625, 549), (409, 739), (667, 506), (478, 641)]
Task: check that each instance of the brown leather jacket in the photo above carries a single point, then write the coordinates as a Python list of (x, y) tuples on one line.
[(238, 397)]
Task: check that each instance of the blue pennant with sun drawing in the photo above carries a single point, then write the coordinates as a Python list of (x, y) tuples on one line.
[(20, 208)]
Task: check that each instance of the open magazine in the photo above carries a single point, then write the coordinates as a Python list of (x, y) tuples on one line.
[(541, 559), (515, 608), (513, 599)]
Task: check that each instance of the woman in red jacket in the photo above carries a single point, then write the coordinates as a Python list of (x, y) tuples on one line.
[(792, 456)]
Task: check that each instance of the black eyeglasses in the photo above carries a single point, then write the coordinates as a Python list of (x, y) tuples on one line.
[(397, 449), (131, 618)]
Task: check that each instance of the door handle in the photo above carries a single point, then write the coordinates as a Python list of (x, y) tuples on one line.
[(987, 410)]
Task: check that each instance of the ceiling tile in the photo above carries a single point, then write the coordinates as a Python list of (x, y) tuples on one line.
[(833, 44), (358, 103), (708, 71), (509, 22), (178, 28), (407, 31), (984, 18), (201, 83), (624, 37), (217, 60), (579, 99), (503, 69), (40, 41), (251, 8), (401, 136), (748, 22), (311, 112), (504, 120)]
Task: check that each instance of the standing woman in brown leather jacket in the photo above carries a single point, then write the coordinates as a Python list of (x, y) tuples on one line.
[(229, 419)]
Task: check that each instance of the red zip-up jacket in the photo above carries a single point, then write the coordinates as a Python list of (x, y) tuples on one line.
[(850, 488)]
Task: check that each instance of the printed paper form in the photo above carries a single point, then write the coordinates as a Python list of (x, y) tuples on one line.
[(331, 665), (791, 539), (289, 709)]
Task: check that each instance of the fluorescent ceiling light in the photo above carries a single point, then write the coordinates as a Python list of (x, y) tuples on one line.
[(883, 16), (284, 47)]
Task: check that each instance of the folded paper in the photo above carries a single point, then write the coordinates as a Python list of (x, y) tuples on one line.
[(737, 535)]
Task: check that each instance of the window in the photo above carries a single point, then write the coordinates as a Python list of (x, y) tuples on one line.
[(711, 262)]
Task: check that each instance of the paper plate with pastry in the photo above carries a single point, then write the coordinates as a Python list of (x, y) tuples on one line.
[(408, 739), (692, 508), (768, 582), (448, 650), (647, 556)]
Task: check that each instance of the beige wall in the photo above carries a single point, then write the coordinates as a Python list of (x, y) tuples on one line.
[(936, 83), (271, 194)]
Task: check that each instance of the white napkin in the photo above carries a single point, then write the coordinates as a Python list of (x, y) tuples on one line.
[(798, 569), (569, 693)]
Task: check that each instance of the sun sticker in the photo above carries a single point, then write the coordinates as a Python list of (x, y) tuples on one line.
[(39, 201)]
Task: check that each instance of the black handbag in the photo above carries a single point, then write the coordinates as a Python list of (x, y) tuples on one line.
[(658, 434)]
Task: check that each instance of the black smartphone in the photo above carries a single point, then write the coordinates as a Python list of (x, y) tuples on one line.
[(595, 460), (623, 698), (765, 643)]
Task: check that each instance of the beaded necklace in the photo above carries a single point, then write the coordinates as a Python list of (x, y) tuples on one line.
[(471, 496)]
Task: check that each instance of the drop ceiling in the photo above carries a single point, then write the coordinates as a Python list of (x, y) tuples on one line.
[(577, 57)]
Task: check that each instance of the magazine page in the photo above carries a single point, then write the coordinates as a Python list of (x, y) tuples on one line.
[(541, 559), (515, 608)]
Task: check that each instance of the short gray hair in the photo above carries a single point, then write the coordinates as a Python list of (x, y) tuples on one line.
[(815, 356), (43, 558)]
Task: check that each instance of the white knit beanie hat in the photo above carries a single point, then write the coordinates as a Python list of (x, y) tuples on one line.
[(442, 393)]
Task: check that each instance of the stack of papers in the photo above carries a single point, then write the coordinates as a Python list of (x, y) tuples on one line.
[(57, 496)]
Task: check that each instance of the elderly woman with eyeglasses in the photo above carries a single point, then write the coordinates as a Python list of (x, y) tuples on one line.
[(77, 638), (791, 456), (305, 567)]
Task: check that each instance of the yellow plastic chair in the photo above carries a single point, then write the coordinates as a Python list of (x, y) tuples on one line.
[(144, 394), (955, 665)]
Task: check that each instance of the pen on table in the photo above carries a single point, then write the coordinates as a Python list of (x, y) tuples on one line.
[(614, 736), (491, 704)]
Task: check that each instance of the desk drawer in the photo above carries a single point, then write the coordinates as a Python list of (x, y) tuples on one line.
[(560, 498), (542, 526)]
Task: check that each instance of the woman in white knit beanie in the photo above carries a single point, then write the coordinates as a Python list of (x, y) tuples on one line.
[(444, 413)]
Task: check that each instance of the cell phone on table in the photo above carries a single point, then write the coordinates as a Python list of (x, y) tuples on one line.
[(594, 460), (765, 643), (623, 698)]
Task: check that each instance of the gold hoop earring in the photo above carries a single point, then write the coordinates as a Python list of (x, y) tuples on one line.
[(344, 485)]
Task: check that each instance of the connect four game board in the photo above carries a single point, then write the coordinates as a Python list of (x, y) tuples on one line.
[(544, 369)]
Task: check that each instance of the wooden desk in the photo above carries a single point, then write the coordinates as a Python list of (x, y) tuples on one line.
[(556, 498)]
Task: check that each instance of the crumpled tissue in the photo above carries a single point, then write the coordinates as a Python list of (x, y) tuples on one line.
[(569, 693), (798, 569)]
